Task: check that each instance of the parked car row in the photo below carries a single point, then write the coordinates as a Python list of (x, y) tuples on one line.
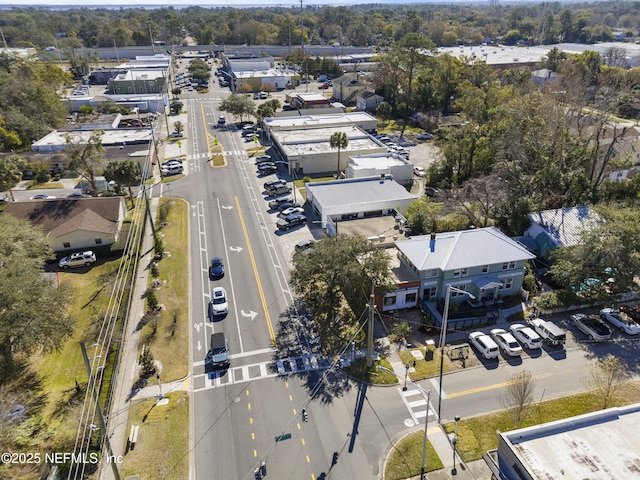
[(511, 342)]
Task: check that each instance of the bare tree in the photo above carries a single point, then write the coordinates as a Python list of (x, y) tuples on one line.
[(519, 394), (606, 377)]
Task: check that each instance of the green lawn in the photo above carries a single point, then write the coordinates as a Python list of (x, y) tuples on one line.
[(162, 449), (168, 335), (405, 460)]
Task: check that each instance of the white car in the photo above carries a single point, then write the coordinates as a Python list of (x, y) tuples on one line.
[(218, 304), (485, 345), (506, 342), (624, 323), (526, 336), (290, 211), (419, 171), (78, 259)]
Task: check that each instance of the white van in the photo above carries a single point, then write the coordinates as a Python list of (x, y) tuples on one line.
[(548, 331)]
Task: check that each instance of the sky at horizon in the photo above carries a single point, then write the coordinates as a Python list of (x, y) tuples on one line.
[(183, 3)]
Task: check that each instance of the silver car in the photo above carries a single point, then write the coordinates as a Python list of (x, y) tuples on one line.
[(526, 336), (506, 342), (591, 326)]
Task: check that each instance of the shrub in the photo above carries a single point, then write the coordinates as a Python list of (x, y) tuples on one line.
[(152, 299)]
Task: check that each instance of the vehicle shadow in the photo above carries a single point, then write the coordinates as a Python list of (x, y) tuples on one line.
[(555, 352), (513, 361)]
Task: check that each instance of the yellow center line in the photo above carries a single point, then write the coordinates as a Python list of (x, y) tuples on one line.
[(500, 385), (255, 272)]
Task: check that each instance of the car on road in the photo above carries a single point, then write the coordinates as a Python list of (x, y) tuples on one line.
[(78, 259), (78, 195), (42, 196), (291, 221), (592, 326), (276, 202), (424, 136), (620, 320), (218, 354), (222, 120), (507, 343), (267, 167), (419, 171), (484, 344), (630, 311), (323, 86), (290, 211), (218, 305), (273, 183), (526, 336), (216, 269)]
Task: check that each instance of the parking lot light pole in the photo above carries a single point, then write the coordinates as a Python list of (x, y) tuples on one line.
[(443, 337), (454, 442), (426, 394)]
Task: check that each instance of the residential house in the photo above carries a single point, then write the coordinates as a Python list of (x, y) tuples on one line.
[(368, 101), (74, 223), (346, 88), (483, 262), (560, 227)]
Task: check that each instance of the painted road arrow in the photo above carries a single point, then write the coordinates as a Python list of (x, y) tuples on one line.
[(227, 207), (199, 347), (251, 314), (235, 249)]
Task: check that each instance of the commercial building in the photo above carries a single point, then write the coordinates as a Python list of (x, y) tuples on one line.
[(597, 445), (348, 199), (378, 164)]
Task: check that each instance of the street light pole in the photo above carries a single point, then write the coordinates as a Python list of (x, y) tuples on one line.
[(427, 398), (443, 336), (454, 442), (406, 373)]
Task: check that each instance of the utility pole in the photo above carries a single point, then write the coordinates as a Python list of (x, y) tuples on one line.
[(104, 435), (370, 331)]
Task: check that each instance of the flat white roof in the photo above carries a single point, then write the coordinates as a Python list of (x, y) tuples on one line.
[(376, 160), (109, 137), (140, 74), (345, 118), (598, 445), (358, 191), (271, 72), (316, 140)]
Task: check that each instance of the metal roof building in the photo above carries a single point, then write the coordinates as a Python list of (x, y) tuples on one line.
[(353, 198)]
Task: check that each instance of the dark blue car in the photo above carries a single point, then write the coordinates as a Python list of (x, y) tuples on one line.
[(216, 270)]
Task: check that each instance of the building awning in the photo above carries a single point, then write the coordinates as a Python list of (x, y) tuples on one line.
[(486, 282)]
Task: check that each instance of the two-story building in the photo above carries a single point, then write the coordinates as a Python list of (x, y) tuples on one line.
[(483, 262)]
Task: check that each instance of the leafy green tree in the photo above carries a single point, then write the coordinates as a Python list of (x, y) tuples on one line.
[(8, 139), (335, 280), (178, 127), (263, 111), (86, 158), (11, 172), (384, 111), (124, 173), (423, 214), (110, 106), (609, 254), (338, 140), (238, 106), (33, 309)]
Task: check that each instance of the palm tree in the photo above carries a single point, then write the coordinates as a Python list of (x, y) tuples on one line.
[(339, 140)]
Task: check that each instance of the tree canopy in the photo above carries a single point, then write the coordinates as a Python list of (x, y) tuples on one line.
[(238, 106), (33, 307), (334, 278)]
